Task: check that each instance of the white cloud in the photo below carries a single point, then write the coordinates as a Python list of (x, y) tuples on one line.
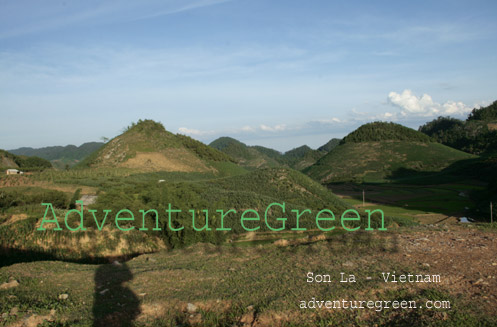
[(248, 129), (424, 106), (192, 131), (329, 120), (275, 128)]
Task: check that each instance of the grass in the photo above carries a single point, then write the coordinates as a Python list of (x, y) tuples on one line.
[(224, 281), (407, 200), (377, 162)]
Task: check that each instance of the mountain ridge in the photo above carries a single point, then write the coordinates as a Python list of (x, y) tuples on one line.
[(60, 156)]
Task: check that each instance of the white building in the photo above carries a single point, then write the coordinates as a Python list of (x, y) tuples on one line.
[(14, 172)]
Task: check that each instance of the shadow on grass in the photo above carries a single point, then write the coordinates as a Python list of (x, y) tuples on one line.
[(114, 303), (10, 256)]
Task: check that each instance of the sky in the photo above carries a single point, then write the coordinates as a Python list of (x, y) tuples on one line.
[(278, 73)]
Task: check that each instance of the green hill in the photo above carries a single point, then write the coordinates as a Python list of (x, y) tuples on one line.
[(262, 157), (487, 114), (383, 131), (271, 153), (254, 190), (9, 160), (381, 151), (330, 145), (477, 135), (250, 190), (301, 157), (247, 156), (60, 156), (148, 146)]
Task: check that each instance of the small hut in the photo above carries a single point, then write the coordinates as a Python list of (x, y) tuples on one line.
[(13, 172)]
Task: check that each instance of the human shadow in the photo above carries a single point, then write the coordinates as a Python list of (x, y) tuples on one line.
[(114, 303)]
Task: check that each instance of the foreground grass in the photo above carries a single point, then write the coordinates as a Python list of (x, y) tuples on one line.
[(232, 285)]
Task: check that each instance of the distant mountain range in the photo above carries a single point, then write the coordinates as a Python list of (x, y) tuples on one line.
[(261, 157), (60, 156), (374, 151)]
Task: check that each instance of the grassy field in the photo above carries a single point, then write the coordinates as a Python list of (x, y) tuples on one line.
[(237, 279), (238, 285), (411, 201)]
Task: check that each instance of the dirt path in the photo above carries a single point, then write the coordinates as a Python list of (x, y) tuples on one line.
[(465, 257)]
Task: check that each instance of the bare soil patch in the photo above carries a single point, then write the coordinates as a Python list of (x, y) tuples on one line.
[(174, 160)]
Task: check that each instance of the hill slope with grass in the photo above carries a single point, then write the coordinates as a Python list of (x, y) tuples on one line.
[(382, 151), (330, 145), (60, 156), (301, 157), (247, 156), (22, 213), (148, 146), (9, 160), (262, 157), (480, 169)]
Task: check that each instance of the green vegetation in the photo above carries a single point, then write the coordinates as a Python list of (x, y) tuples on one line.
[(9, 160), (262, 157), (301, 157), (203, 151), (330, 145), (25, 199), (488, 113), (254, 190), (383, 131), (477, 135), (232, 284), (382, 161), (271, 153), (60, 156), (410, 201), (483, 170), (154, 148), (247, 156), (126, 189), (472, 136), (233, 276)]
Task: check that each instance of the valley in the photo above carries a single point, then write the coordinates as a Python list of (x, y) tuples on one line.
[(179, 233)]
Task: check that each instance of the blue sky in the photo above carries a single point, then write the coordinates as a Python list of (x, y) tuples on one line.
[(275, 73)]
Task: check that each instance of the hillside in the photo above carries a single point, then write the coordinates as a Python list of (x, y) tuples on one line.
[(380, 151), (247, 156), (487, 114), (477, 134), (301, 157), (21, 211), (9, 160), (148, 146), (481, 169), (60, 156), (330, 145), (383, 131), (262, 157)]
